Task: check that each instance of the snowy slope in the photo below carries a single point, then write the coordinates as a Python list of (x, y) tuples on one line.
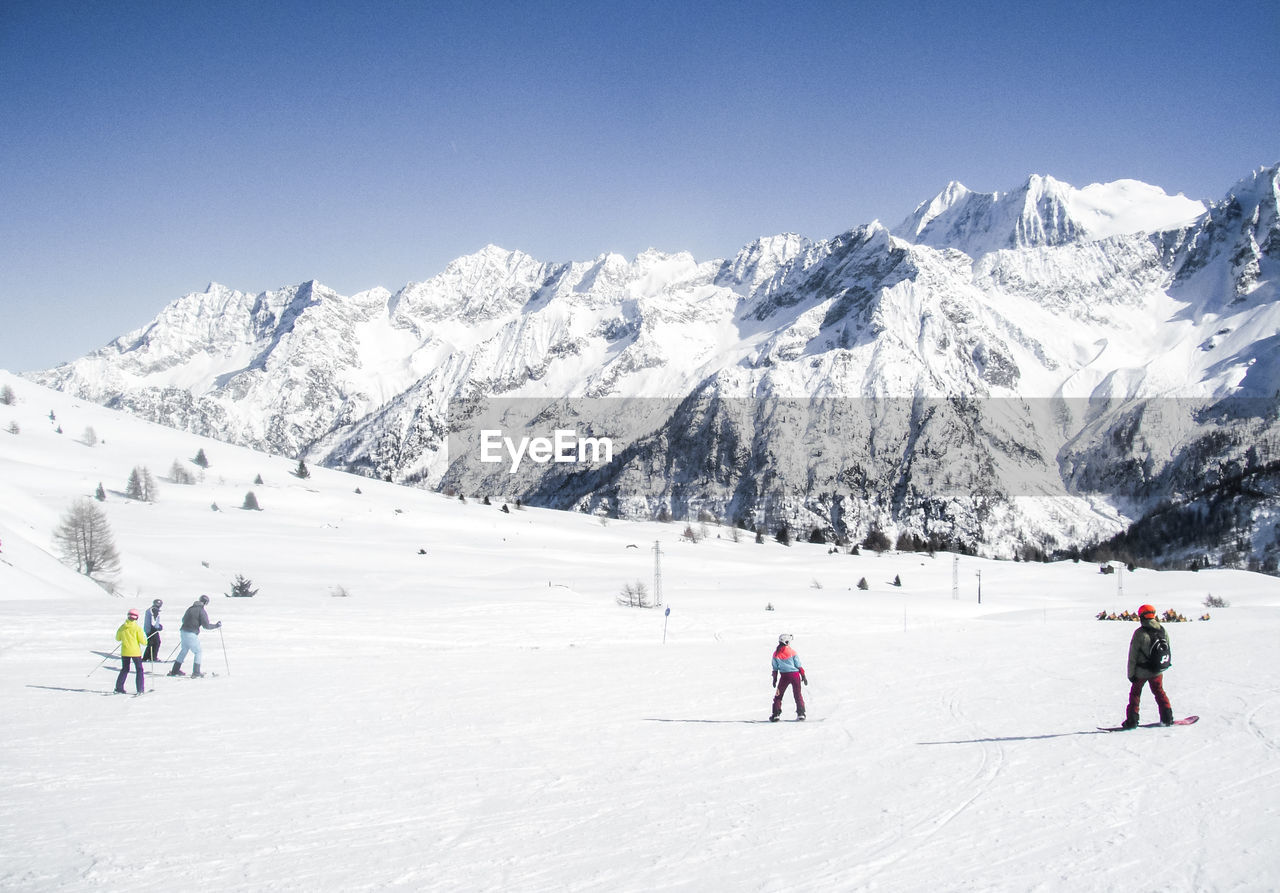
[(484, 716), (981, 308)]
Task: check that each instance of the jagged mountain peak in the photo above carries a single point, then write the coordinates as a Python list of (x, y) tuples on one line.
[(1045, 290), (1043, 211)]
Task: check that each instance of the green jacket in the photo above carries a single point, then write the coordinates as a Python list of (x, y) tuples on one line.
[(1140, 649)]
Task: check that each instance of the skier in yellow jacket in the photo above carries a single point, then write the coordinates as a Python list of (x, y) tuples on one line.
[(132, 643)]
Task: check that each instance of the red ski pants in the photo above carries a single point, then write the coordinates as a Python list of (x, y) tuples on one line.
[(786, 680), (1157, 690)]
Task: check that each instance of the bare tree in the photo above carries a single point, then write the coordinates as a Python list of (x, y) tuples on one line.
[(84, 539), (634, 595)]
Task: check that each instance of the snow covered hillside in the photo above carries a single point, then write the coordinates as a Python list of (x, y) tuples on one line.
[(431, 694), (1105, 305)]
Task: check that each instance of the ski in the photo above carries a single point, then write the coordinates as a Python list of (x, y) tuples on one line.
[(1185, 721)]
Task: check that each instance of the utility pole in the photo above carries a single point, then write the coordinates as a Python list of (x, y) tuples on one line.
[(657, 573)]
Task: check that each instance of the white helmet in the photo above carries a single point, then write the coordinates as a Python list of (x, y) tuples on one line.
[(784, 639)]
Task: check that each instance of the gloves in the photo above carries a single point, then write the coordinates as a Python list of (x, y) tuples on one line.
[(775, 678), (804, 679), (218, 625)]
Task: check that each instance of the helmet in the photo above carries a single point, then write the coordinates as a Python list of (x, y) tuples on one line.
[(133, 613), (1145, 610), (157, 603), (784, 639), (204, 599)]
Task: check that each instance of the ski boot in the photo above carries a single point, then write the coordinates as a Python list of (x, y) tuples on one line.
[(195, 671)]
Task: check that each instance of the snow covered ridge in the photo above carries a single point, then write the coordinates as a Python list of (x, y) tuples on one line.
[(1115, 294)]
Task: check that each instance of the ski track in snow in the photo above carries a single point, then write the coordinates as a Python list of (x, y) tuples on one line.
[(486, 717)]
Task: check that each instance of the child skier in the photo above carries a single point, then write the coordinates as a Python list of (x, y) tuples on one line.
[(1142, 672), (151, 625), (786, 664), (132, 640)]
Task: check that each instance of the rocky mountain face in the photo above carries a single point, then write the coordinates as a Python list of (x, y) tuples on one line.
[(1017, 373)]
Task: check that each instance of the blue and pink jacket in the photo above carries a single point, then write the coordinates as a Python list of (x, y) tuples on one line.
[(785, 660)]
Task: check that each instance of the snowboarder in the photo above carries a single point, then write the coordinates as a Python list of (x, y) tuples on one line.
[(787, 667), (151, 625), (132, 640), (195, 619), (1141, 673)]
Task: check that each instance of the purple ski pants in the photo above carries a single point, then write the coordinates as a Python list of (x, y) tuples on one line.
[(791, 680), (139, 681)]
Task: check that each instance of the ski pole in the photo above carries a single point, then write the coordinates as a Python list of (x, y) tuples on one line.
[(172, 653), (103, 661), (223, 639)]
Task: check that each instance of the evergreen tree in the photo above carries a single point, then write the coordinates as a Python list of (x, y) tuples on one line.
[(100, 494), (242, 588), (141, 485), (200, 458), (7, 397), (302, 471), (251, 502)]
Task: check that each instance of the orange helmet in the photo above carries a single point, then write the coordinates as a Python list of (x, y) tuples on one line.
[(1145, 610)]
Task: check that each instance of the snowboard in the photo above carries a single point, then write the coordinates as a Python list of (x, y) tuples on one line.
[(1185, 721)]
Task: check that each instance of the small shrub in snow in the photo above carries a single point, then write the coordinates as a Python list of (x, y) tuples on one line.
[(1213, 601), (242, 588)]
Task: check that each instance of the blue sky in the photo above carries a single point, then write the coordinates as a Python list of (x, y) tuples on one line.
[(148, 148)]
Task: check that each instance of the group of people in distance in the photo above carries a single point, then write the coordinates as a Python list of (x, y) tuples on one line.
[(1145, 670), (141, 642)]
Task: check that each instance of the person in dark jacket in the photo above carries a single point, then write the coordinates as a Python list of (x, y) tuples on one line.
[(151, 625), (787, 667), (195, 619), (1140, 674)]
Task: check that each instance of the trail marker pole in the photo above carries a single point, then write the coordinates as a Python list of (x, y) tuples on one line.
[(665, 615)]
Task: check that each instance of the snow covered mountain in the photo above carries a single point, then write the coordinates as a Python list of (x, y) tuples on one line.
[(1014, 372)]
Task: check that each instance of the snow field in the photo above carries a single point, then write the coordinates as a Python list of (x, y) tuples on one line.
[(485, 717)]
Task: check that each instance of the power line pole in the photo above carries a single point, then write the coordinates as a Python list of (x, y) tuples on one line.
[(657, 572), (955, 577)]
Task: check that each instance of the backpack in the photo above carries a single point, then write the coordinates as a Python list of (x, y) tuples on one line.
[(1160, 657)]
